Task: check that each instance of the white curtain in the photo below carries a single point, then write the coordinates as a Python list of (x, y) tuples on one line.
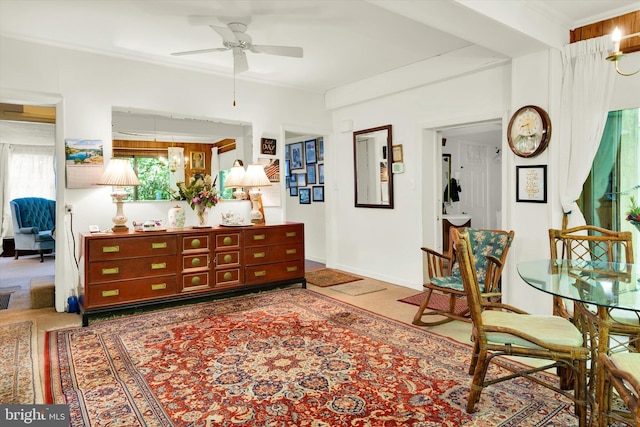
[(587, 86), (5, 212)]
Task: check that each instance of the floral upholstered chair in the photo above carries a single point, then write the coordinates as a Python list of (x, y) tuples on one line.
[(490, 248), (34, 220)]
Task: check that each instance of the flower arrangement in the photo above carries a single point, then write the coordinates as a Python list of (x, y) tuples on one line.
[(633, 214), (200, 191)]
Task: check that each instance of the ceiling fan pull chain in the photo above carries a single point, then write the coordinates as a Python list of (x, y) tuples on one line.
[(234, 89)]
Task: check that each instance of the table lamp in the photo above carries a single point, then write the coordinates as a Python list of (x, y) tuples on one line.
[(119, 174), (235, 178), (254, 178)]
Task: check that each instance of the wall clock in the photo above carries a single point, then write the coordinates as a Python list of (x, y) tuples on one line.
[(529, 131)]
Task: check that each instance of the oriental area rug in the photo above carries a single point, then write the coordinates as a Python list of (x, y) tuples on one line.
[(290, 357), (329, 277), (17, 383)]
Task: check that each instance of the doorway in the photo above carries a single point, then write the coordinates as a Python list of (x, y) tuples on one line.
[(474, 156)]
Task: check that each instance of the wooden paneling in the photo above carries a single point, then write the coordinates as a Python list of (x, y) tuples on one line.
[(628, 24), (27, 113)]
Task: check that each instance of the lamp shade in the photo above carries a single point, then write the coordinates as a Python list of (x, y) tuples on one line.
[(235, 177), (119, 173), (255, 176)]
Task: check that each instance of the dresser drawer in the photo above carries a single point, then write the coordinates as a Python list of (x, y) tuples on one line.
[(195, 243), (196, 281), (228, 277), (228, 240), (227, 259), (128, 291), (268, 254), (273, 235), (273, 272), (158, 244), (109, 271), (195, 261)]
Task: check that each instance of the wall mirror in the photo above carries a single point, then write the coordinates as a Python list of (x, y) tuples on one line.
[(163, 148), (373, 179)]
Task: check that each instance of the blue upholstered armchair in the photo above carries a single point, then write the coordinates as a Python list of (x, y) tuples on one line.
[(34, 220)]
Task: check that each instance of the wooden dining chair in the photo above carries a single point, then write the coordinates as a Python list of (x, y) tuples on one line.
[(444, 274), (622, 374), (596, 244), (500, 329)]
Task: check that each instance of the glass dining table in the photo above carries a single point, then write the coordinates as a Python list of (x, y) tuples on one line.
[(602, 293)]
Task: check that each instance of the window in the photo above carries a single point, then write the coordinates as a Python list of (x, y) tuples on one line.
[(153, 173), (31, 172), (615, 173)]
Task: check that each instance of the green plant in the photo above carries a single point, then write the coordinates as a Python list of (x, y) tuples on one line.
[(633, 214)]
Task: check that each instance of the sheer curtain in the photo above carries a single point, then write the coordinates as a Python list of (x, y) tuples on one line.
[(587, 85), (26, 171)]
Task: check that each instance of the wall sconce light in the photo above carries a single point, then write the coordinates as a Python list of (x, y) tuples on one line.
[(119, 174), (254, 178), (235, 178), (176, 163), (617, 54)]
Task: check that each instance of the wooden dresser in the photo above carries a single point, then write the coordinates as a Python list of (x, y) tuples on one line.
[(129, 270)]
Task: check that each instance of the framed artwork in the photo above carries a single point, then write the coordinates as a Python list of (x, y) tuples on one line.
[(304, 195), (197, 161), (301, 178), (268, 146), (320, 149), (397, 153), (293, 180), (321, 173), (318, 193), (293, 191), (531, 184), (310, 151), (296, 156), (311, 174)]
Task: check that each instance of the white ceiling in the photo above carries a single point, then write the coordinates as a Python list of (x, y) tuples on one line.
[(343, 40)]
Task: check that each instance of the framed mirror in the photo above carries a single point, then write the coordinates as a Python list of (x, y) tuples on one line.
[(373, 178)]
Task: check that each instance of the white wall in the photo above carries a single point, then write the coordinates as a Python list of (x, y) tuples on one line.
[(86, 87), (380, 243)]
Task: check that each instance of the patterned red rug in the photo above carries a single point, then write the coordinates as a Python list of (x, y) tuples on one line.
[(437, 301), (283, 358)]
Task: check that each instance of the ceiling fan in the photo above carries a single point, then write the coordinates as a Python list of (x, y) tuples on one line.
[(235, 38)]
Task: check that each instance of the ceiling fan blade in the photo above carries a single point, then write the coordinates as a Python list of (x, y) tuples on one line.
[(226, 34), (292, 51), (240, 64), (194, 52)]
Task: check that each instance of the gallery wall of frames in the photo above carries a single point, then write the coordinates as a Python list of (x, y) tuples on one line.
[(304, 170)]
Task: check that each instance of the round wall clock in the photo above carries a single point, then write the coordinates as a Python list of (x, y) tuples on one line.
[(529, 131)]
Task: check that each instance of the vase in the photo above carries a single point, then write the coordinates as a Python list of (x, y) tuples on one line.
[(176, 217), (203, 216)]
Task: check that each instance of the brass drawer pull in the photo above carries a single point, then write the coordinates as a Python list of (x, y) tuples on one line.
[(290, 234), (228, 258), (158, 286), (227, 240), (110, 249), (111, 293), (195, 280), (227, 276), (290, 269), (158, 265), (259, 237), (159, 245), (290, 251), (260, 273), (259, 255), (113, 270), (195, 262), (195, 243)]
